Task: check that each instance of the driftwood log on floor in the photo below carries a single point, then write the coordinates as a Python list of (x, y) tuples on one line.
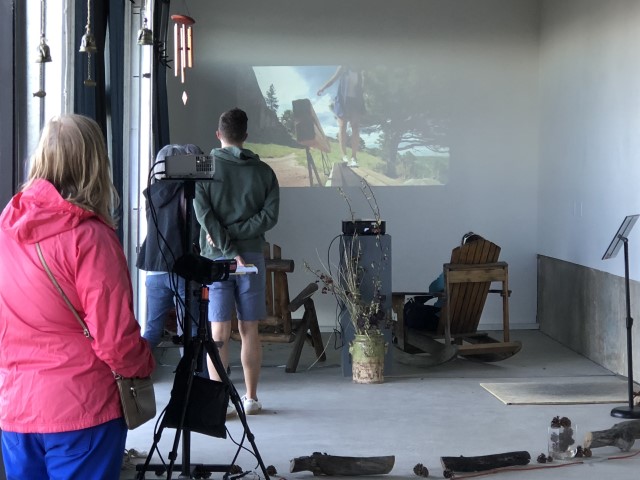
[(622, 435), (485, 462), (323, 464)]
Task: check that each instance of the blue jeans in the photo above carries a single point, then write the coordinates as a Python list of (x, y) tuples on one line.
[(95, 453), (161, 297)]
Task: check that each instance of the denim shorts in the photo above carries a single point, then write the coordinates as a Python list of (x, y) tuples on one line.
[(245, 293)]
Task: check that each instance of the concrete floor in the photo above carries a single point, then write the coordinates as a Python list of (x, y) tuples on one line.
[(418, 415)]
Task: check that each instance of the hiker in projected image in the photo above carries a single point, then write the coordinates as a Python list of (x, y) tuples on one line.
[(348, 108)]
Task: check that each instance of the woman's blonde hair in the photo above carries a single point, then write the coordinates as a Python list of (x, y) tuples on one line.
[(72, 155)]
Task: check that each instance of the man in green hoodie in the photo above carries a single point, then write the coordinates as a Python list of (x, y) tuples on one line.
[(235, 210)]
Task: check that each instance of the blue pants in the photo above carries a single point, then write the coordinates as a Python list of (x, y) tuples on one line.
[(94, 453), (161, 297)]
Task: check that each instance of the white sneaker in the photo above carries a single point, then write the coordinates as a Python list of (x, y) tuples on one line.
[(251, 406), (345, 159), (231, 410), (353, 163)]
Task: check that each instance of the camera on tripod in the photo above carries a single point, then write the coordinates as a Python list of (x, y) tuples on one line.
[(197, 268)]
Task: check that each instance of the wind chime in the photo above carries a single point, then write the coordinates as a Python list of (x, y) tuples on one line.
[(145, 35), (88, 46), (44, 53), (182, 47)]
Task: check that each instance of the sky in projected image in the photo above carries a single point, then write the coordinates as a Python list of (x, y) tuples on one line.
[(403, 126), (293, 83)]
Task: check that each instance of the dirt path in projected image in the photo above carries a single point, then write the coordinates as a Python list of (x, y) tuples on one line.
[(289, 173)]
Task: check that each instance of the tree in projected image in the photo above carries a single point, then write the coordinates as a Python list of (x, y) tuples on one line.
[(271, 99), (408, 109)]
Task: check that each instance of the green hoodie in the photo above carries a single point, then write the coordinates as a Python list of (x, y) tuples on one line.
[(238, 206)]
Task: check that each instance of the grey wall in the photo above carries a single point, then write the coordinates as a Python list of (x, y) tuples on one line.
[(590, 119), (489, 51)]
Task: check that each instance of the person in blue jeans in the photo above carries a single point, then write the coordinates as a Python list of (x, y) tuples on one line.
[(165, 243)]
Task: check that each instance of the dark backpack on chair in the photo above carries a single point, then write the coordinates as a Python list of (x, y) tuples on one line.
[(420, 316)]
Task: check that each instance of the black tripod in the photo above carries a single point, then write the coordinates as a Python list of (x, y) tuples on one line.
[(184, 413), (196, 268)]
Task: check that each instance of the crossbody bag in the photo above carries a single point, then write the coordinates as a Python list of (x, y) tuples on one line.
[(136, 394)]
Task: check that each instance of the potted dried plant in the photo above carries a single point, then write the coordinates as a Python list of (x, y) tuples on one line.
[(363, 303)]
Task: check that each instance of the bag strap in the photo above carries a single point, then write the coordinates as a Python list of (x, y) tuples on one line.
[(61, 292)]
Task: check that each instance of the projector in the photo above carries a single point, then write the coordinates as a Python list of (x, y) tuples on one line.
[(189, 167), (363, 227)]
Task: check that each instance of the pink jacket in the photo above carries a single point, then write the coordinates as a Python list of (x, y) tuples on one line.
[(52, 378)]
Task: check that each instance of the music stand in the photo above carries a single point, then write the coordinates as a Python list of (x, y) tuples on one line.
[(620, 239)]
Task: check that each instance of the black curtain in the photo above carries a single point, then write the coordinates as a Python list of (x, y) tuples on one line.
[(103, 102), (8, 157), (9, 162), (160, 108)]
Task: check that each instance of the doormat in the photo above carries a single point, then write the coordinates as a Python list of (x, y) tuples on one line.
[(564, 391)]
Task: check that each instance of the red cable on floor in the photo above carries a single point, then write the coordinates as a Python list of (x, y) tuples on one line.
[(538, 467)]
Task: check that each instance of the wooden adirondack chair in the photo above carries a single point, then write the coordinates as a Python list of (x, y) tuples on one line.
[(468, 277), (279, 326)]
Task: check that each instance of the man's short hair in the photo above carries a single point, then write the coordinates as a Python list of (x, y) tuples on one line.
[(233, 125)]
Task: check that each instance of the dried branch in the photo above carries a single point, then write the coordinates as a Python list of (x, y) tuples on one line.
[(366, 314)]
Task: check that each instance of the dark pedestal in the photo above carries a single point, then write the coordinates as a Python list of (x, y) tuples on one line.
[(375, 261)]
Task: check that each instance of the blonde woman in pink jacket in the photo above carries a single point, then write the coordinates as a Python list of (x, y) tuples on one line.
[(60, 412)]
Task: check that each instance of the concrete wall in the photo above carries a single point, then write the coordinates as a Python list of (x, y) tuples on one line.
[(585, 309), (488, 51)]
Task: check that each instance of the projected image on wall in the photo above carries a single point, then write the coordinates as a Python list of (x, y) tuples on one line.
[(333, 125)]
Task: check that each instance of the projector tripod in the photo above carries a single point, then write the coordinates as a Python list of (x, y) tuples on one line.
[(192, 352)]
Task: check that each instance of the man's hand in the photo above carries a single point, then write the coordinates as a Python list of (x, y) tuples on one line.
[(239, 260)]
